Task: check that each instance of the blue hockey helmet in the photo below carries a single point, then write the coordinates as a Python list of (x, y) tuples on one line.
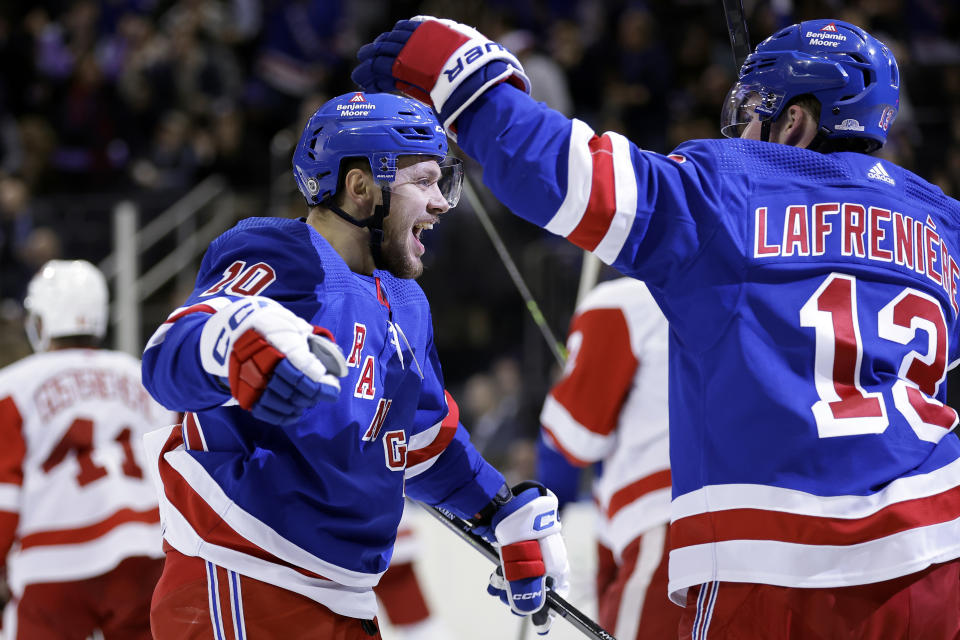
[(380, 127), (851, 73)]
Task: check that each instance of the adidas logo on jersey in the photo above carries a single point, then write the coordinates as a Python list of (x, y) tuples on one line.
[(877, 172)]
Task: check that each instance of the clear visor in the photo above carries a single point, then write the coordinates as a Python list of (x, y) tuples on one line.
[(746, 103), (448, 182)]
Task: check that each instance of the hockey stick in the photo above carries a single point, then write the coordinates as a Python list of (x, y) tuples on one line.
[(563, 608), (737, 28), (589, 272), (557, 348)]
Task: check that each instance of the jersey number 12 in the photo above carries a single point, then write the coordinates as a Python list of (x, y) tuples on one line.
[(845, 408)]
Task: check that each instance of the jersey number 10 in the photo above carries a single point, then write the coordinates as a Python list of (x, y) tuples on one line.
[(845, 408)]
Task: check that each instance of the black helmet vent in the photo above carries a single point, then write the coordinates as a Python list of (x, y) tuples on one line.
[(415, 133)]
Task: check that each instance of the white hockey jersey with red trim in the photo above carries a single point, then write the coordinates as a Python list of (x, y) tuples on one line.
[(611, 405), (75, 498)]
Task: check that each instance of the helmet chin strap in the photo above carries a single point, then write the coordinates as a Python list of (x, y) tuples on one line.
[(765, 130), (374, 223)]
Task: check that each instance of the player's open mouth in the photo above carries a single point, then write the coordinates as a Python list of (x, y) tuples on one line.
[(420, 227)]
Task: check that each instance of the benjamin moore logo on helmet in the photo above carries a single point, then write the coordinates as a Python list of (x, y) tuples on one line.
[(849, 125), (357, 106), (828, 36)]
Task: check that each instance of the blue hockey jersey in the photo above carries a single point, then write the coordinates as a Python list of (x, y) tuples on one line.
[(813, 312), (311, 507)]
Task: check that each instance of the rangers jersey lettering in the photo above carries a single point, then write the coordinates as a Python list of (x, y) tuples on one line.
[(75, 499), (312, 507), (812, 320)]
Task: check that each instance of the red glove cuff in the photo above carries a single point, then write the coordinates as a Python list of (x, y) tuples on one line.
[(422, 58), (252, 360), (522, 560)]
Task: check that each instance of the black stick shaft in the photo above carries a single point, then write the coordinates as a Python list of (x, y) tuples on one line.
[(563, 608), (737, 27)]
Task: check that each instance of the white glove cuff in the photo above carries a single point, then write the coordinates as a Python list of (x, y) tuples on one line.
[(534, 520), (279, 326), (511, 71)]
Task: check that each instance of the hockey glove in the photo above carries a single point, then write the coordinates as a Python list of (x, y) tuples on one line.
[(442, 63), (276, 364), (533, 556)]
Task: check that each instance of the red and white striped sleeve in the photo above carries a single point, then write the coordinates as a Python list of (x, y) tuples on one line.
[(425, 447), (600, 203), (580, 415)]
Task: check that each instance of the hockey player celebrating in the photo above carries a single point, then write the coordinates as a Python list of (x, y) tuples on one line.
[(811, 292), (283, 487)]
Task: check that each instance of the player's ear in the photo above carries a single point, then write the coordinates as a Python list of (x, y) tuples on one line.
[(359, 188), (798, 127)]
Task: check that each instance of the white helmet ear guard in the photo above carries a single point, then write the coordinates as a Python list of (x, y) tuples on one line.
[(65, 298)]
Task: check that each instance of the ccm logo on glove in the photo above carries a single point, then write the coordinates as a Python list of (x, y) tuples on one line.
[(275, 364), (544, 520), (221, 348)]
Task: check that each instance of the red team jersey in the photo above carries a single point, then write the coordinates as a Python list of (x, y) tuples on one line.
[(75, 498)]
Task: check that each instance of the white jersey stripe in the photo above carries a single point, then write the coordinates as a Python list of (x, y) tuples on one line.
[(579, 182), (252, 529), (52, 563), (423, 439), (713, 498), (417, 469), (355, 602), (625, 185), (573, 436), (815, 566)]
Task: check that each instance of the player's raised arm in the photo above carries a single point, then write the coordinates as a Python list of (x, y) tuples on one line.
[(811, 296), (600, 191)]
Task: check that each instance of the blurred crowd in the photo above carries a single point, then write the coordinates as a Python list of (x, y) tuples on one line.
[(103, 100)]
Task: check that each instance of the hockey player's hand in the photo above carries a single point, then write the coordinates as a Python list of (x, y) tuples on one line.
[(533, 556), (276, 364), (442, 63)]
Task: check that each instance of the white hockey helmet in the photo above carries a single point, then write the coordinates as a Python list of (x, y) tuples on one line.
[(66, 298)]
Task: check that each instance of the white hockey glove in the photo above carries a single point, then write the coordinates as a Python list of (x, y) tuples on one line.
[(533, 556), (276, 364), (442, 63)]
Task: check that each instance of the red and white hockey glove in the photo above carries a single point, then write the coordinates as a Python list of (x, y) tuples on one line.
[(276, 364), (533, 556), (442, 63)]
